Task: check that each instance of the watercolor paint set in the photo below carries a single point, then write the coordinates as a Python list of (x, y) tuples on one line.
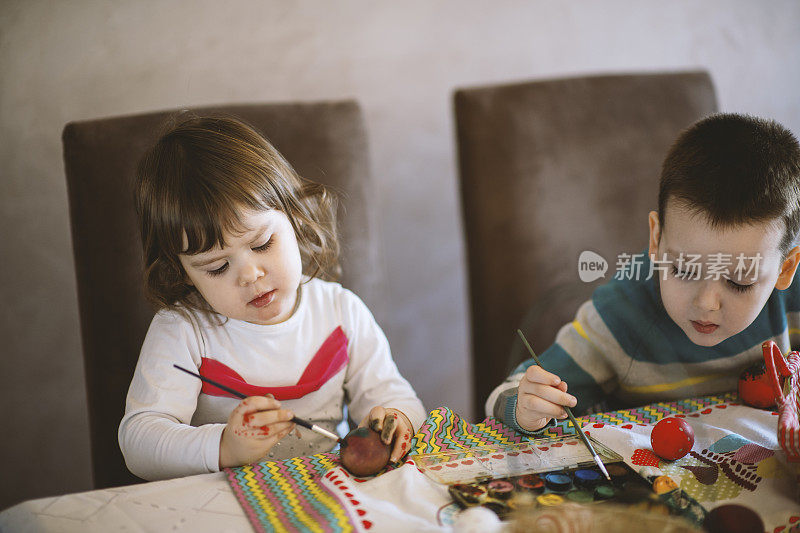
[(549, 472), (465, 465)]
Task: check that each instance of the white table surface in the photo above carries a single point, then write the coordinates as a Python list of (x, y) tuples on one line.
[(196, 504)]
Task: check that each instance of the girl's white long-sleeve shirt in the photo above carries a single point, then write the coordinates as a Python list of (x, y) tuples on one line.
[(171, 428)]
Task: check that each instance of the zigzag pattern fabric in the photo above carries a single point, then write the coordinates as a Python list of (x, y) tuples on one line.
[(648, 414), (289, 495), (444, 430)]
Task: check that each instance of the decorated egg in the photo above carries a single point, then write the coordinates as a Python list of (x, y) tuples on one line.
[(755, 389), (672, 438)]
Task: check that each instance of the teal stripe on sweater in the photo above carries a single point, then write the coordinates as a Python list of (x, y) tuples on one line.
[(632, 311)]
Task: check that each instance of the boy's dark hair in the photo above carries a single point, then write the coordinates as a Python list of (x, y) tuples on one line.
[(735, 169)]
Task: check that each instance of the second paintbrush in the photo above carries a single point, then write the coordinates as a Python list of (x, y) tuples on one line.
[(575, 424)]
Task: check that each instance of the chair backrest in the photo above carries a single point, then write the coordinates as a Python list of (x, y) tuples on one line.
[(325, 142), (549, 169)]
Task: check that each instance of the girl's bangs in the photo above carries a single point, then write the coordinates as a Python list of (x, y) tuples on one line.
[(208, 216)]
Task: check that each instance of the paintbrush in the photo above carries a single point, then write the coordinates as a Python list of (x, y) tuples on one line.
[(575, 424), (299, 421)]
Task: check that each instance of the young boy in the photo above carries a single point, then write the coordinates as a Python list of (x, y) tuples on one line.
[(678, 324)]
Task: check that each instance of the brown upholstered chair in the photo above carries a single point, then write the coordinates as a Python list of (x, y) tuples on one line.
[(549, 169), (325, 142)]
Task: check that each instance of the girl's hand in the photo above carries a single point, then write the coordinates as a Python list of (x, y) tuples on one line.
[(254, 427), (540, 397), (392, 424)]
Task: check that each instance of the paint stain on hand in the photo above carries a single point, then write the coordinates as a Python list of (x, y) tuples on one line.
[(388, 429)]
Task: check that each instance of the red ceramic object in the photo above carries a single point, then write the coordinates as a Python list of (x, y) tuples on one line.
[(672, 438), (755, 388)]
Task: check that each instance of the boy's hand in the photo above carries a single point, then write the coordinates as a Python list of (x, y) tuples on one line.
[(254, 427), (540, 396), (392, 424)]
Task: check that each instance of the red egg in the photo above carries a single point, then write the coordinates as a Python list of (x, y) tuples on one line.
[(672, 438)]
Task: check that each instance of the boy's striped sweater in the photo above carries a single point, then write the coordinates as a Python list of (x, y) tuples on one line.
[(623, 350)]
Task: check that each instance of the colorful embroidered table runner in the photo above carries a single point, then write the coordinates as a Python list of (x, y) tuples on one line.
[(314, 494)]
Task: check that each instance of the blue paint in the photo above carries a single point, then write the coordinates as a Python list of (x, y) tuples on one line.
[(558, 482), (587, 478)]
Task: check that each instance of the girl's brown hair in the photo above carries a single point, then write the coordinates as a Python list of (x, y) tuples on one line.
[(194, 183)]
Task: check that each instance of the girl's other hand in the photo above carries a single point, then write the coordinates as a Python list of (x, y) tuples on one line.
[(393, 425), (254, 427), (540, 397)]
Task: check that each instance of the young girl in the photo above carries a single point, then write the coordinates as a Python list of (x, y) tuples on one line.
[(236, 245)]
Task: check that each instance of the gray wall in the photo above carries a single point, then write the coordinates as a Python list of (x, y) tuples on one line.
[(75, 60)]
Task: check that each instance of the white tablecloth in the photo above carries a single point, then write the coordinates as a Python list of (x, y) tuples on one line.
[(195, 504)]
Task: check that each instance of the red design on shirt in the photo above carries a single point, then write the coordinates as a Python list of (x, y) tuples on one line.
[(326, 363)]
